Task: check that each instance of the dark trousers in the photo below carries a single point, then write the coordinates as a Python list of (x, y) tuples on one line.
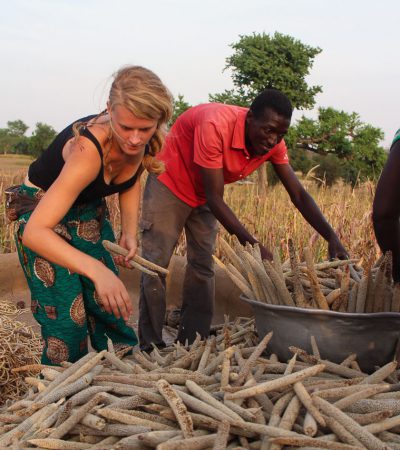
[(164, 216)]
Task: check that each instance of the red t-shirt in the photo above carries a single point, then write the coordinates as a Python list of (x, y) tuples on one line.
[(211, 136)]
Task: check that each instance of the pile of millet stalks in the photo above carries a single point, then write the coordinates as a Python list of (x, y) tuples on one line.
[(338, 285), (19, 345), (219, 393)]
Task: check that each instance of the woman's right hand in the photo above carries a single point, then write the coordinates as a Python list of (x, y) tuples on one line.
[(114, 297)]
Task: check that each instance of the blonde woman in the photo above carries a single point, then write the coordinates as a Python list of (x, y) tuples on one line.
[(73, 281)]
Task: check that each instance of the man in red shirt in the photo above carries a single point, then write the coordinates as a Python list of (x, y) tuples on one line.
[(209, 146)]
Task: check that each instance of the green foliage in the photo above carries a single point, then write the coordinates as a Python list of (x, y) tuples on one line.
[(7, 142), (340, 139), (262, 61), (332, 132), (232, 97), (300, 160), (12, 138), (329, 168), (21, 147), (41, 137), (16, 128), (180, 106)]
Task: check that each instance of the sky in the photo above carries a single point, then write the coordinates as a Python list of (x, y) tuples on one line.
[(58, 56)]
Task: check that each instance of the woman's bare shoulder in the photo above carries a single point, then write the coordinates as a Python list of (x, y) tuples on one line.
[(81, 146), (99, 126)]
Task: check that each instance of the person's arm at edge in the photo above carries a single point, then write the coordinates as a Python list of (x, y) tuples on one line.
[(303, 201), (213, 181), (386, 209)]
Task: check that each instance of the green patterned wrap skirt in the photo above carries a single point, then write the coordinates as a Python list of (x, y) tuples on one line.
[(65, 304)]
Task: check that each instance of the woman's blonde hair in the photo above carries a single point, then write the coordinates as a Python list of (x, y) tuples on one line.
[(142, 92)]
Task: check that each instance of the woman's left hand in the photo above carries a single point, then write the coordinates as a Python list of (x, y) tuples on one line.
[(130, 244)]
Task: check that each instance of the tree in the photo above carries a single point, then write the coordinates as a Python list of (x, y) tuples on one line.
[(41, 138), (16, 128), (180, 106), (354, 144), (13, 137), (329, 168), (262, 61), (22, 146), (236, 97)]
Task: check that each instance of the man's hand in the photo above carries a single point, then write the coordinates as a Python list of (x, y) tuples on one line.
[(336, 249), (265, 253)]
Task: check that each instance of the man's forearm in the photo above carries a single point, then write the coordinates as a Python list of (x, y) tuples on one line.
[(230, 222), (313, 215)]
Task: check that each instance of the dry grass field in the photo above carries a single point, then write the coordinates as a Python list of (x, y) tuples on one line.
[(12, 171), (270, 217), (13, 163), (273, 218)]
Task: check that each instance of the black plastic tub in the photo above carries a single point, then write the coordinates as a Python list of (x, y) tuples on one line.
[(373, 337)]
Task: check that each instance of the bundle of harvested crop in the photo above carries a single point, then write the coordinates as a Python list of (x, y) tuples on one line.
[(19, 345), (338, 285), (218, 393)]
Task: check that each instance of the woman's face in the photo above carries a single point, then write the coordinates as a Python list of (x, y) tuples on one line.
[(131, 132)]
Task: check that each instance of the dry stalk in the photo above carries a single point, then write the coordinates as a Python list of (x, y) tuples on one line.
[(221, 439), (273, 385), (360, 433), (177, 406), (140, 263)]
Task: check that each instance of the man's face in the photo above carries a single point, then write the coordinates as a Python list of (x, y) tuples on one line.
[(264, 132)]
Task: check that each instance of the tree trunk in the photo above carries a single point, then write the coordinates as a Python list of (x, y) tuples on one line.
[(262, 179)]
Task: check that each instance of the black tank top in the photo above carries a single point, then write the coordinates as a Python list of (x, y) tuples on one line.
[(44, 171)]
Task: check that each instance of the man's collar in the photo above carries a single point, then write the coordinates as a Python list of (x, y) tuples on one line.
[(238, 138)]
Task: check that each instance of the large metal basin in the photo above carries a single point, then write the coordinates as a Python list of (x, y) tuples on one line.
[(373, 337)]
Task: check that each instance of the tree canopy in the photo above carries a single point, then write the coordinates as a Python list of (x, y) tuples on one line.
[(41, 137), (262, 61), (180, 106), (338, 142), (13, 139), (337, 138), (16, 128)]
